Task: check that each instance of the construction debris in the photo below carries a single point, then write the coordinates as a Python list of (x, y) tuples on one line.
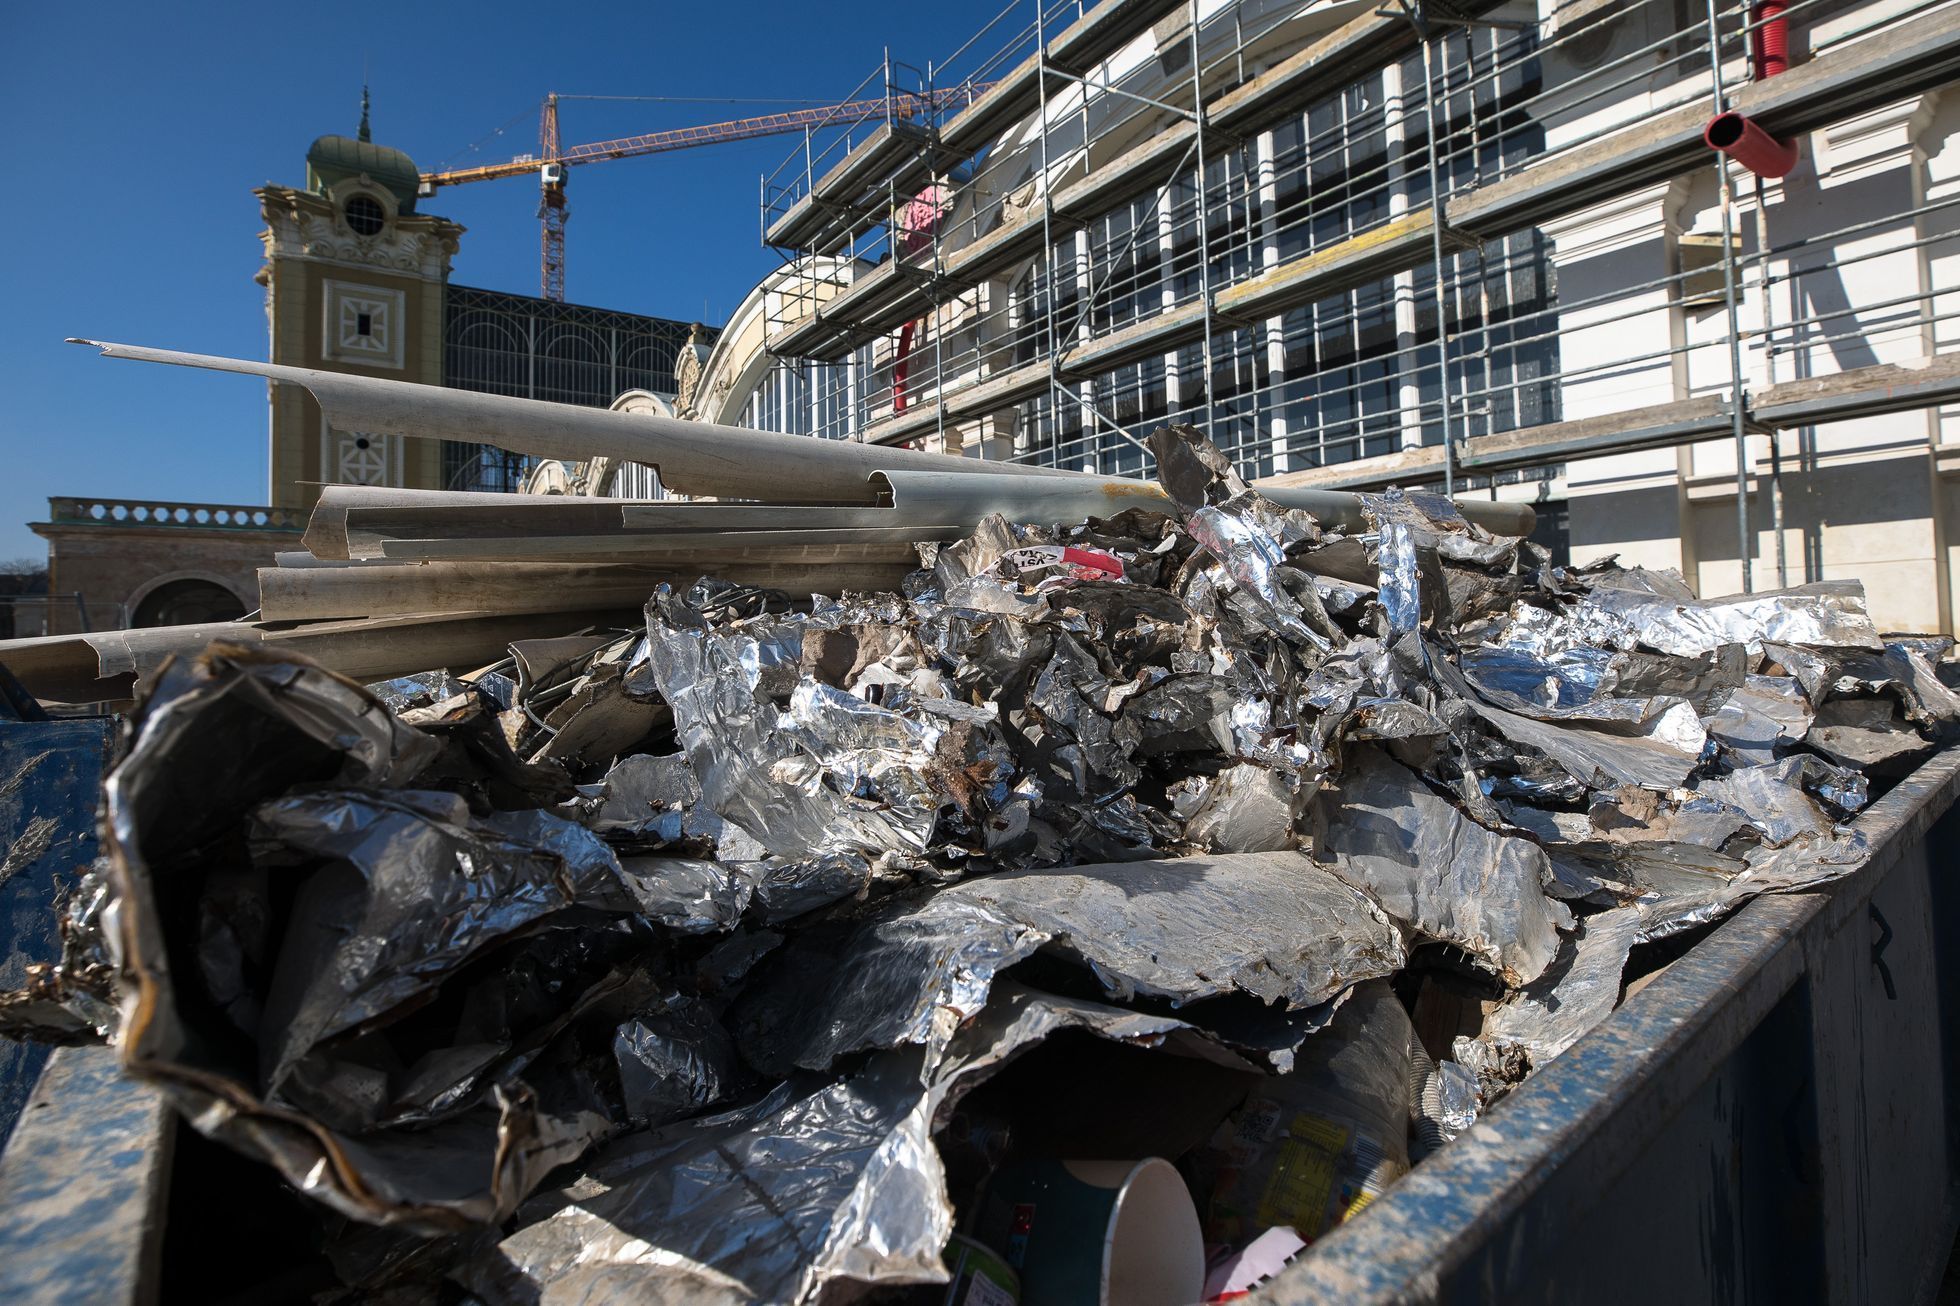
[(1112, 834)]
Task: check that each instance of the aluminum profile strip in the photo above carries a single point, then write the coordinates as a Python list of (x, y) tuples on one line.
[(308, 594), (692, 457), (942, 499)]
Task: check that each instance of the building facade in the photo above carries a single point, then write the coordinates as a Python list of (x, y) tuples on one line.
[(356, 280), (1479, 246)]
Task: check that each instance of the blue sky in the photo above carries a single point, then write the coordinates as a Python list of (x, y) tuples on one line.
[(137, 131)]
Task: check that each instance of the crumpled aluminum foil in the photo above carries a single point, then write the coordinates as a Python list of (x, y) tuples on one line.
[(359, 945), (673, 1061), (1773, 799), (1829, 613), (1556, 1010), (1761, 719), (1272, 925), (231, 734), (690, 895), (1253, 560), (774, 876), (819, 1180), (1437, 871), (907, 974), (1247, 809), (816, 1182)]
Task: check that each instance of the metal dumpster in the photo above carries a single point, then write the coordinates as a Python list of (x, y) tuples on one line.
[(50, 774), (1767, 1119), (1771, 1119)]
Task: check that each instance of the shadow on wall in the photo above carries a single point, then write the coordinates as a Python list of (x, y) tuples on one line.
[(1818, 290), (1602, 521), (1883, 490)]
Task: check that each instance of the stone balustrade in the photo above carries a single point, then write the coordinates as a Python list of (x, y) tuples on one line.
[(156, 514)]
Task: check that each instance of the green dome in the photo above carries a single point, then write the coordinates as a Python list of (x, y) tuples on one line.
[(333, 159)]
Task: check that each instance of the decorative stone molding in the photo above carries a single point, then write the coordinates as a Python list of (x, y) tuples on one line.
[(1872, 142), (362, 324), (689, 367), (152, 514), (1616, 224), (312, 228)]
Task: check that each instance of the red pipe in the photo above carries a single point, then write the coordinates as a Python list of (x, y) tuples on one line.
[(921, 219), (1749, 145), (1736, 136), (901, 365), (1769, 39)]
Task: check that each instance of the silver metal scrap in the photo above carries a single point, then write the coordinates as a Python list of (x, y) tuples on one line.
[(815, 1183), (909, 973), (1555, 1011), (1761, 719), (1434, 869), (1252, 559), (1273, 925), (1829, 613)]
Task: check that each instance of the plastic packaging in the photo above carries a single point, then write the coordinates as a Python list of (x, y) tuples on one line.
[(1309, 1149)]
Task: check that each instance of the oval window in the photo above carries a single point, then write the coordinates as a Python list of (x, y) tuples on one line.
[(365, 215)]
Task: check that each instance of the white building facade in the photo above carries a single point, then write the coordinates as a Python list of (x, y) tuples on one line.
[(1482, 248)]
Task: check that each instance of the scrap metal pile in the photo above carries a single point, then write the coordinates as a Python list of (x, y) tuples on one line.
[(739, 954)]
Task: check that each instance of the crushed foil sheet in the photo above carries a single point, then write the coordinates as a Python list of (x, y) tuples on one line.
[(724, 922)]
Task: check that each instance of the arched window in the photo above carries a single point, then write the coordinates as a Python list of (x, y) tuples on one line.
[(188, 602)]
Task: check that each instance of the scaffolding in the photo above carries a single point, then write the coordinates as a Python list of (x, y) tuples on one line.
[(1319, 233)]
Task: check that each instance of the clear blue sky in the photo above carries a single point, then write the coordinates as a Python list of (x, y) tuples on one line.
[(136, 132)]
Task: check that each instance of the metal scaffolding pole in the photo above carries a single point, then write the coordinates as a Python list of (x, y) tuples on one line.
[(1769, 379), (1415, 16), (1204, 224), (1047, 227), (1737, 395)]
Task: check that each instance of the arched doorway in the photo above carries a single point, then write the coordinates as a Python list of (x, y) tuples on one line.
[(187, 603)]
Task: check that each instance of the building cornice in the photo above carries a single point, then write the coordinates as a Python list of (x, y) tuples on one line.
[(311, 228)]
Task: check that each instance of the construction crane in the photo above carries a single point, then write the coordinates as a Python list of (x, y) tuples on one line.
[(553, 161)]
